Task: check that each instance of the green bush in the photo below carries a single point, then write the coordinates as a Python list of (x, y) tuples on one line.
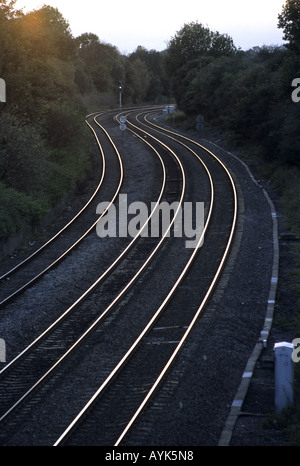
[(16, 210)]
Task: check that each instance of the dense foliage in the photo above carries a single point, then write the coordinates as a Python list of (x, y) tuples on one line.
[(248, 94), (52, 80)]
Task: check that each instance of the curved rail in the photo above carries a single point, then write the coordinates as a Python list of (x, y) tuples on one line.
[(47, 243), (35, 253), (161, 307), (71, 248), (150, 324), (209, 291), (104, 313)]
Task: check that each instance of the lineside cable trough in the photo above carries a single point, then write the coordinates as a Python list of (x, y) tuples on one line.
[(264, 334), (285, 353)]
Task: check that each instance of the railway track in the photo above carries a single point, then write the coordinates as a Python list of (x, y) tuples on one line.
[(114, 344), (18, 278)]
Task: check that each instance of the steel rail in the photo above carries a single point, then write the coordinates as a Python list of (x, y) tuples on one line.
[(190, 140), (183, 339), (38, 251), (78, 241), (96, 322), (105, 273), (197, 314), (79, 300), (130, 351), (35, 253)]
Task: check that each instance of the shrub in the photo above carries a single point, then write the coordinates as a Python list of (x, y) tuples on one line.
[(16, 210)]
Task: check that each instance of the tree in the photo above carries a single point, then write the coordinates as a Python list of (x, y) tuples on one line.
[(47, 33), (192, 45), (99, 61), (222, 45), (7, 13), (137, 80), (289, 21), (192, 41), (195, 41), (7, 9), (154, 63)]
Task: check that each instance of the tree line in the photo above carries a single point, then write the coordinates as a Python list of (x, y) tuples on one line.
[(52, 80), (248, 94)]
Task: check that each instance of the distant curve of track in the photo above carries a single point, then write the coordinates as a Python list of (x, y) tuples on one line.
[(155, 275)]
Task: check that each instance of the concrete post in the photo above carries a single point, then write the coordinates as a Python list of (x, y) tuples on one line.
[(284, 375)]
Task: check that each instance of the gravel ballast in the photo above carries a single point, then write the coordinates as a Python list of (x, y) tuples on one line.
[(194, 402)]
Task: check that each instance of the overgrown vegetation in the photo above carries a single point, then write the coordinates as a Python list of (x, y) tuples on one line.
[(52, 81), (245, 94)]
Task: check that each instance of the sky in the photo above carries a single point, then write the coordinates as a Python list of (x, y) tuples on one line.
[(127, 24)]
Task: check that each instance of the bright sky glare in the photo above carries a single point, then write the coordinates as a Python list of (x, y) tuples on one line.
[(127, 24)]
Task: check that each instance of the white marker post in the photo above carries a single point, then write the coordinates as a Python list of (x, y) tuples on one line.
[(284, 375)]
